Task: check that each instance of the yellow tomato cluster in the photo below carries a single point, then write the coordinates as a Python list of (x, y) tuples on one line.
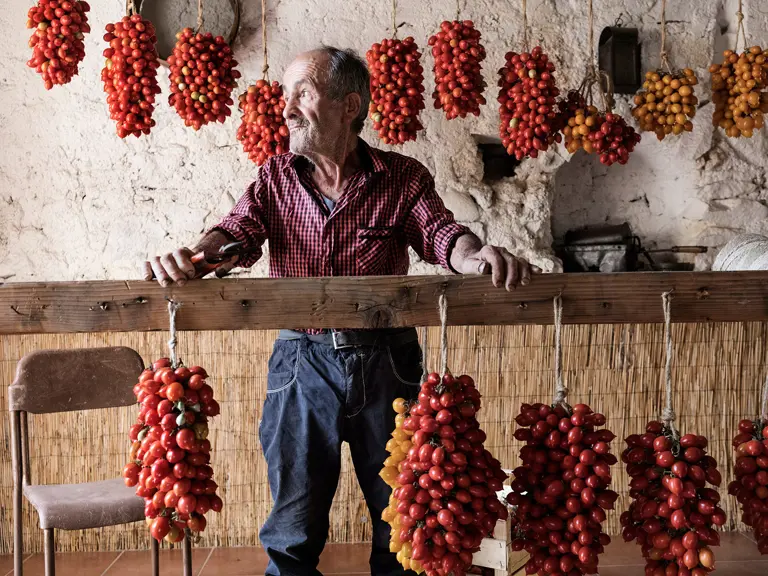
[(739, 91), (398, 447), (667, 103), (583, 121)]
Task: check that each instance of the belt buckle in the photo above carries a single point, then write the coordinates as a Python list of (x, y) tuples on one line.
[(336, 344)]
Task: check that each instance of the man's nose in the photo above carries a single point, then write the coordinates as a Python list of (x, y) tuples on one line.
[(290, 109)]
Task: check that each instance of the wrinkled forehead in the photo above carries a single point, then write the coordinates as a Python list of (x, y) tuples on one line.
[(309, 67)]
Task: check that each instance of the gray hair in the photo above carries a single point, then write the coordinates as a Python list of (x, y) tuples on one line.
[(348, 74)]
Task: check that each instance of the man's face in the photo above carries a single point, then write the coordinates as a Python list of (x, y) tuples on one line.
[(316, 122)]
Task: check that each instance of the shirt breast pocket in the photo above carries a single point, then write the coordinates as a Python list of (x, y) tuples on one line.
[(376, 250)]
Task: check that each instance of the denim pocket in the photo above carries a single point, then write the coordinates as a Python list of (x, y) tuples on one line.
[(283, 365), (406, 362)]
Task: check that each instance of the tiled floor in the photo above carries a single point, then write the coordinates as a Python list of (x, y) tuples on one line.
[(736, 556)]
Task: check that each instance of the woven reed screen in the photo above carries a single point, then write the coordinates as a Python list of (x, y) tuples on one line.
[(617, 369)]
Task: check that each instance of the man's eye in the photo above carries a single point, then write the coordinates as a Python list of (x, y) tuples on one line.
[(304, 93)]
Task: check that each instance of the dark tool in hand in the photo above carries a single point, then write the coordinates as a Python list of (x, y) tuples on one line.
[(206, 262)]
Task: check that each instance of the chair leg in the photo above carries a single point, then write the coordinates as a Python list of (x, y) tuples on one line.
[(18, 534), (155, 551), (187, 556), (49, 550), (17, 466), (18, 552)]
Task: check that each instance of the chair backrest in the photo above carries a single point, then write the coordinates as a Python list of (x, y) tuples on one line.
[(82, 379)]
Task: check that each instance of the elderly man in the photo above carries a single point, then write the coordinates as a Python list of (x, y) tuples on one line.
[(334, 206)]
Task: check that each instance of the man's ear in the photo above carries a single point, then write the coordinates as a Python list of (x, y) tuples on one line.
[(352, 104)]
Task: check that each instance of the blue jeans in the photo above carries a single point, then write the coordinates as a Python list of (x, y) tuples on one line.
[(317, 398)]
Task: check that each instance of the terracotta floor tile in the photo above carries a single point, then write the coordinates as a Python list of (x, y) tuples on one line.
[(620, 553), (345, 558), (10, 566), (755, 568), (737, 556), (6, 563), (625, 571), (348, 559), (748, 535), (735, 547), (245, 561), (80, 563), (137, 562)]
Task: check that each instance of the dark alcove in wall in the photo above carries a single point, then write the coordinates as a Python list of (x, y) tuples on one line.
[(497, 163)]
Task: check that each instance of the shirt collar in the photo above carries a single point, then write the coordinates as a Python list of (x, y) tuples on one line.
[(372, 159)]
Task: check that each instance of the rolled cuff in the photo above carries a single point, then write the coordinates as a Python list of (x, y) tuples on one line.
[(239, 231), (445, 241)]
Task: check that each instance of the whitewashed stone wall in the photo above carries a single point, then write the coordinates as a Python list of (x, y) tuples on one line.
[(76, 202)]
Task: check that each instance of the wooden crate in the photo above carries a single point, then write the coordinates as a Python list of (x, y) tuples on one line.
[(496, 555)]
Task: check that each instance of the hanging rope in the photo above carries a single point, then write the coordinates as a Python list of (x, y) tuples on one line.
[(525, 25), (663, 56), (601, 80), (394, 19), (560, 390), (668, 414), (591, 36), (265, 67), (130, 7), (458, 9), (764, 402), (173, 307), (605, 91), (594, 76), (424, 352), (740, 28), (443, 302), (200, 20)]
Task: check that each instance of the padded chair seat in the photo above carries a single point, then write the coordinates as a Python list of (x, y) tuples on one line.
[(86, 505)]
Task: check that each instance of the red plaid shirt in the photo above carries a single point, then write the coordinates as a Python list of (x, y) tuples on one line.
[(389, 204)]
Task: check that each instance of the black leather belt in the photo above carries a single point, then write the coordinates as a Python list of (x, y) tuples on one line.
[(351, 339)]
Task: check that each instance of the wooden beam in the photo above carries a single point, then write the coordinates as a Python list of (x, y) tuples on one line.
[(370, 302)]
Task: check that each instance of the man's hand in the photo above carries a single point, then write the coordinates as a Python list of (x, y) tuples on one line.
[(470, 256), (177, 266), (503, 266)]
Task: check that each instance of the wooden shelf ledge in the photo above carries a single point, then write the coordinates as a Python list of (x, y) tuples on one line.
[(380, 301)]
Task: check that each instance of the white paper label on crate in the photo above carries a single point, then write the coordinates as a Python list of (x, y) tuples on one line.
[(492, 554)]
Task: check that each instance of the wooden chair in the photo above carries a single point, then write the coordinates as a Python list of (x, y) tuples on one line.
[(51, 381)]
